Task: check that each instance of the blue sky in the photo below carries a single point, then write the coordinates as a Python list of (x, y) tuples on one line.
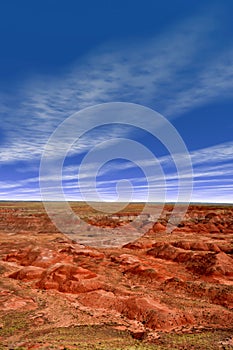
[(175, 57)]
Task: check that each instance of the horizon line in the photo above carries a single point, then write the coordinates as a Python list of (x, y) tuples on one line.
[(114, 202)]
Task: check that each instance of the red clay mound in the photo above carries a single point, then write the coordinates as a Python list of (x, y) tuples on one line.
[(201, 259), (28, 273), (68, 278)]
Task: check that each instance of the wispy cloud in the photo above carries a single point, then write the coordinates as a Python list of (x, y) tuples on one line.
[(165, 73), (212, 82), (213, 179)]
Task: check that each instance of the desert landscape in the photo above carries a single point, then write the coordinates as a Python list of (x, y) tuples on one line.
[(162, 291)]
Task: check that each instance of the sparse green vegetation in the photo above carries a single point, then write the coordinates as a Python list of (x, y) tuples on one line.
[(13, 323), (105, 337)]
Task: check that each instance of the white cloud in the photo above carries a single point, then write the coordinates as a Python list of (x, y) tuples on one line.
[(213, 174), (165, 73)]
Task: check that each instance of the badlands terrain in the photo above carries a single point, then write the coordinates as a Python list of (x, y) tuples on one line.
[(162, 291)]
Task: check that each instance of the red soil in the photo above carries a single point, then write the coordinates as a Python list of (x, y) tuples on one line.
[(162, 281)]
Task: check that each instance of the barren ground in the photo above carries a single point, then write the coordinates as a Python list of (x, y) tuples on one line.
[(164, 291)]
